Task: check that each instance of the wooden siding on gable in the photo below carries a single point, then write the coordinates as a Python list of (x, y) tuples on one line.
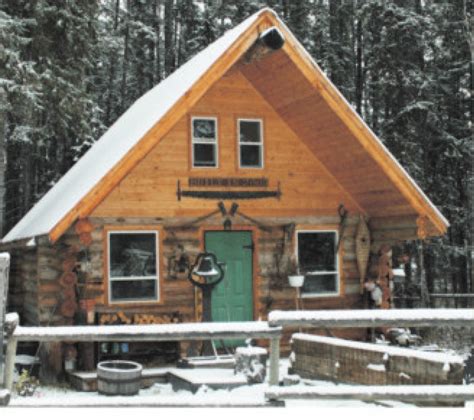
[(149, 190), (310, 117)]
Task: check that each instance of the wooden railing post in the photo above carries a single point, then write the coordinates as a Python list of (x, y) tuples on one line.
[(274, 360), (11, 322), (4, 271)]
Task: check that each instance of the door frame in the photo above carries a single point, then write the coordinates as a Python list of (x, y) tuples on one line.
[(255, 234)]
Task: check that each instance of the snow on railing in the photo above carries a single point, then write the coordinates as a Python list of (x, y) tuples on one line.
[(412, 393), (154, 332), (271, 330), (373, 318)]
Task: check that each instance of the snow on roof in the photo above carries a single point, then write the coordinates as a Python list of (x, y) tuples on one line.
[(119, 139)]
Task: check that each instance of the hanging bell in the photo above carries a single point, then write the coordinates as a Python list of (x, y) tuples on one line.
[(206, 267)]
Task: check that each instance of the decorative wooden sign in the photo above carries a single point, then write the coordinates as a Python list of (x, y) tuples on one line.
[(228, 194), (228, 182)]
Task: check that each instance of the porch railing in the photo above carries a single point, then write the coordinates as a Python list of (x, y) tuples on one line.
[(271, 330), (375, 318)]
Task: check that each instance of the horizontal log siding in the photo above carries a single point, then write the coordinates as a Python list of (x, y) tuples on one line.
[(23, 290)]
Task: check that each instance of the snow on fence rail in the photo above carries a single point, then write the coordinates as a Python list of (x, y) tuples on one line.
[(271, 330), (411, 393), (373, 318), (154, 332)]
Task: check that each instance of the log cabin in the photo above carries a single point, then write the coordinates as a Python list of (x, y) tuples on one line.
[(247, 151)]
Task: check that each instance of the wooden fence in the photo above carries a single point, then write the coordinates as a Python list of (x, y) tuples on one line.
[(272, 331), (153, 332), (375, 318)]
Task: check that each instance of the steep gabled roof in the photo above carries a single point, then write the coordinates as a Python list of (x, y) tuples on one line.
[(139, 129)]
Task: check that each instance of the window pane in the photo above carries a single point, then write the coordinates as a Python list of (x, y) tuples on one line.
[(317, 251), (204, 155), (133, 289), (132, 255), (250, 131), (204, 129), (250, 156), (326, 283)]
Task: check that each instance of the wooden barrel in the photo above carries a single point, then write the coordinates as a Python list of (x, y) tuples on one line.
[(119, 377)]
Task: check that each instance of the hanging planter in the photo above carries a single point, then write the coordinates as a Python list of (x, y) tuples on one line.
[(296, 280)]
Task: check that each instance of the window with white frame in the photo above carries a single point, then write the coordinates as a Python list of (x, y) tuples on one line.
[(250, 137), (133, 266), (318, 261), (204, 142)]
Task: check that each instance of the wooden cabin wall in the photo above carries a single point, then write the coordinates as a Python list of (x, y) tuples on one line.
[(23, 287), (178, 295), (149, 190)]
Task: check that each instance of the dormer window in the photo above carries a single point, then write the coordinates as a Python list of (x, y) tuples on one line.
[(204, 142), (250, 136)]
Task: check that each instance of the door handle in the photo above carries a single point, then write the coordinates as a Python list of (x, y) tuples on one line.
[(251, 246)]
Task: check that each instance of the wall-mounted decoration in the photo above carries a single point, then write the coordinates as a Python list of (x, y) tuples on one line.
[(178, 263), (228, 182), (226, 195), (362, 245)]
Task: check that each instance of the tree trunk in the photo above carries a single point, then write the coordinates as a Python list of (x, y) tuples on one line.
[(425, 295), (169, 41), (3, 159)]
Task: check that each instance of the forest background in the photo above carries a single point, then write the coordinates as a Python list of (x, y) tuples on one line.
[(69, 69)]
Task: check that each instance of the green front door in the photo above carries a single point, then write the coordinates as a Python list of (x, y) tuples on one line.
[(232, 299)]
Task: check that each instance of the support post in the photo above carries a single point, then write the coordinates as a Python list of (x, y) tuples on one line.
[(11, 322), (274, 360), (4, 271)]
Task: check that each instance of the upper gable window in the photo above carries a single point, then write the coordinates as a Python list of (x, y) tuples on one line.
[(250, 143), (204, 142)]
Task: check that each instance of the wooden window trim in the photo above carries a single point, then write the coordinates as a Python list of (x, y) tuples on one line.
[(215, 142), (339, 261), (159, 266), (261, 143)]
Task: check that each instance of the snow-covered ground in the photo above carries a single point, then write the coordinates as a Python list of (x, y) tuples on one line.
[(163, 395)]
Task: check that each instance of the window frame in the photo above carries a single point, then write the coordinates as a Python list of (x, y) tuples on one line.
[(215, 142), (158, 278), (260, 143), (338, 261)]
